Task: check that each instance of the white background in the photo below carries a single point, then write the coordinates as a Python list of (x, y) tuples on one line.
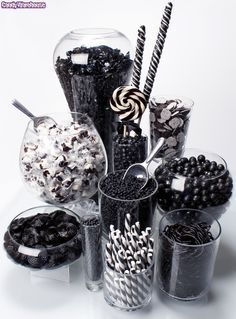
[(198, 62)]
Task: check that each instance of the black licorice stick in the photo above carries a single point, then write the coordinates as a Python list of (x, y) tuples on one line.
[(91, 231)]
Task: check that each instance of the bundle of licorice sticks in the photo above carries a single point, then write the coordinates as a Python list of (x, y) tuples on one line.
[(129, 264)]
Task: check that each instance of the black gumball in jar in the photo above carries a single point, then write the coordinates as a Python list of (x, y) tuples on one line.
[(197, 180), (129, 148)]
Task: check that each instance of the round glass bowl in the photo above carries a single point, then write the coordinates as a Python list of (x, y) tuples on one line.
[(62, 161), (44, 237), (197, 179)]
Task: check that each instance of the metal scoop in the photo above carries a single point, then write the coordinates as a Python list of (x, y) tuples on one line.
[(140, 170), (36, 119)]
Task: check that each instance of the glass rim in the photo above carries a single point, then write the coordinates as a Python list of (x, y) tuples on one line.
[(198, 151), (125, 200), (93, 31), (187, 100), (190, 245), (85, 115), (44, 248)]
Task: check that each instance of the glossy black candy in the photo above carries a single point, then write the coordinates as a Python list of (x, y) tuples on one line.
[(206, 183), (55, 240), (119, 197)]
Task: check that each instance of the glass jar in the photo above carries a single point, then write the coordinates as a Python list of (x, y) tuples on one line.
[(113, 208), (44, 237), (185, 270), (197, 179), (62, 161), (91, 64), (169, 118), (128, 150), (127, 291)]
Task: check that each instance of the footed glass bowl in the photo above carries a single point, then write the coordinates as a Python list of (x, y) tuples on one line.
[(197, 179), (62, 161), (44, 237)]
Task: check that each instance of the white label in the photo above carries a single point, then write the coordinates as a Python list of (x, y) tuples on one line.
[(29, 251), (79, 58)]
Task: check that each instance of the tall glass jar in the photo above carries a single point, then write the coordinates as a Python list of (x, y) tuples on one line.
[(90, 64)]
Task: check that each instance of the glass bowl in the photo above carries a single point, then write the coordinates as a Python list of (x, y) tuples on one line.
[(197, 179), (44, 237), (63, 162)]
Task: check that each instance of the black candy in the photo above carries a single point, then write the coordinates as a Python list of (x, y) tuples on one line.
[(113, 211), (55, 235), (89, 87), (210, 182), (128, 150)]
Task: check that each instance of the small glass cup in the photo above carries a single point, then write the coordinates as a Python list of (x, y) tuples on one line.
[(113, 210), (169, 118), (128, 150), (128, 292), (91, 236), (185, 271)]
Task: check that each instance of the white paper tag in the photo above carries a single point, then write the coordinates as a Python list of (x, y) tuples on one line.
[(29, 251), (178, 183), (79, 58)]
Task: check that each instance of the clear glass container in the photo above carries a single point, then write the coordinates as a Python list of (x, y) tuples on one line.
[(91, 235), (185, 271), (197, 179), (128, 292), (44, 237), (91, 63), (169, 118), (62, 163), (128, 150), (113, 209)]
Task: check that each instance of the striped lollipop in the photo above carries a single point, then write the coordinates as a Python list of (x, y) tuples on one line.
[(128, 102), (157, 51), (138, 57)]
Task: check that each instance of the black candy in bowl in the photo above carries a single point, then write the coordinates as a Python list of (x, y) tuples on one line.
[(197, 179), (44, 237)]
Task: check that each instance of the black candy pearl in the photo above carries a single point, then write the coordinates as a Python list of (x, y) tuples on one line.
[(201, 158)]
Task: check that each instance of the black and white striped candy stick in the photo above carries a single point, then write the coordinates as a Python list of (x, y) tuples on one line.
[(138, 59), (143, 282), (127, 226), (156, 55), (128, 289)]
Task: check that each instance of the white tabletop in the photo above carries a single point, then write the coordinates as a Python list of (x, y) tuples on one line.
[(198, 61)]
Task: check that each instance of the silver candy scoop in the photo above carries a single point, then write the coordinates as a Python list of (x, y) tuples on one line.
[(36, 119), (140, 170)]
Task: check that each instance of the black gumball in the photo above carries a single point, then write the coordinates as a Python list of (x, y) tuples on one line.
[(207, 183)]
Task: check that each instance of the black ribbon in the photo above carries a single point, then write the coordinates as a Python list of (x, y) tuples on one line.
[(130, 127)]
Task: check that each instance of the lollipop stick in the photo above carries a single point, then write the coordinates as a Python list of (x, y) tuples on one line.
[(157, 51), (137, 68)]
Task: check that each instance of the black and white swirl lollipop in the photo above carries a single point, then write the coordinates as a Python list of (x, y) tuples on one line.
[(128, 102)]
